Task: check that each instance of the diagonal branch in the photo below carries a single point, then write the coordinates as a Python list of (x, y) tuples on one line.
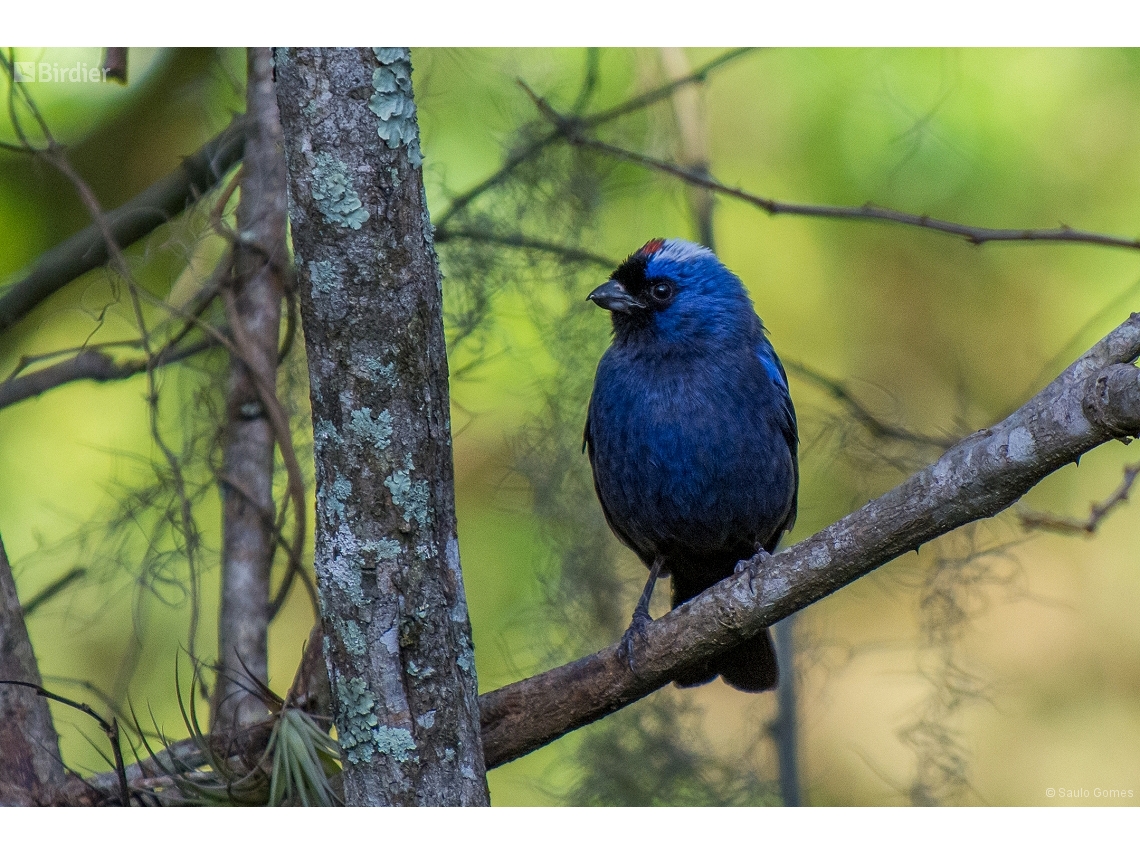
[(581, 123), (1093, 401), (91, 364), (875, 426), (1096, 399), (162, 201), (54, 590)]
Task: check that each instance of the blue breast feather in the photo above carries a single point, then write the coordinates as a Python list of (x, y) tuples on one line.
[(694, 457)]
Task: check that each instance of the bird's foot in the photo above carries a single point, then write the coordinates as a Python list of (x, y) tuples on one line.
[(752, 566), (749, 565), (637, 625)]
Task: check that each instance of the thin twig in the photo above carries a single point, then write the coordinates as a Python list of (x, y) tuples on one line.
[(54, 589), (55, 155), (573, 130), (874, 425), (1031, 519), (976, 235), (535, 147), (92, 364), (518, 241), (666, 90), (88, 249)]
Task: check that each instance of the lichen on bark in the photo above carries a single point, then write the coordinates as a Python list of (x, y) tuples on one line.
[(393, 609)]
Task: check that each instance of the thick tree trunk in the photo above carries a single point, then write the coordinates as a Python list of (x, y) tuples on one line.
[(30, 769), (398, 641), (247, 486)]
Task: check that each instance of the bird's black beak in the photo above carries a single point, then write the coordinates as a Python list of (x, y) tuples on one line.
[(613, 297)]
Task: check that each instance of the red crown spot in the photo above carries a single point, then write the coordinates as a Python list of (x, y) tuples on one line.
[(651, 247)]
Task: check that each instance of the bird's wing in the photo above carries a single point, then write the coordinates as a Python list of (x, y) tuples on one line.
[(787, 415)]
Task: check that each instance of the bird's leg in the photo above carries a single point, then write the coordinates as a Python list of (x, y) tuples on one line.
[(641, 618)]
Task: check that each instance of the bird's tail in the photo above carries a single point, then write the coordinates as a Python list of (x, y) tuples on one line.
[(749, 667)]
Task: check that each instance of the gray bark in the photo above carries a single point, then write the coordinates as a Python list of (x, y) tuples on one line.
[(247, 484), (398, 641), (31, 771)]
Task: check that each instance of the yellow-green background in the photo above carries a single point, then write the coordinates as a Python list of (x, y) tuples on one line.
[(932, 332)]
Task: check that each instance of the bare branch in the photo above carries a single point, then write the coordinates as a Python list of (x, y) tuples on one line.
[(1067, 525), (874, 425), (1096, 399), (54, 589), (162, 201), (94, 364), (666, 90), (518, 241), (253, 299), (976, 235), (534, 148)]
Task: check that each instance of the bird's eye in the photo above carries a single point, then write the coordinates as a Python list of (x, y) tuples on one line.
[(662, 291)]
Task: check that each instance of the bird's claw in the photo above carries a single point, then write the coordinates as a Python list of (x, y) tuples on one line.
[(762, 555), (637, 625), (751, 566)]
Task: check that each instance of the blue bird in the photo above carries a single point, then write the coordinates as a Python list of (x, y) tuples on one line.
[(692, 435)]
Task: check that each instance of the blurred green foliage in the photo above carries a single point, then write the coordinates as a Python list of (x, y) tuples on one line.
[(990, 667)]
